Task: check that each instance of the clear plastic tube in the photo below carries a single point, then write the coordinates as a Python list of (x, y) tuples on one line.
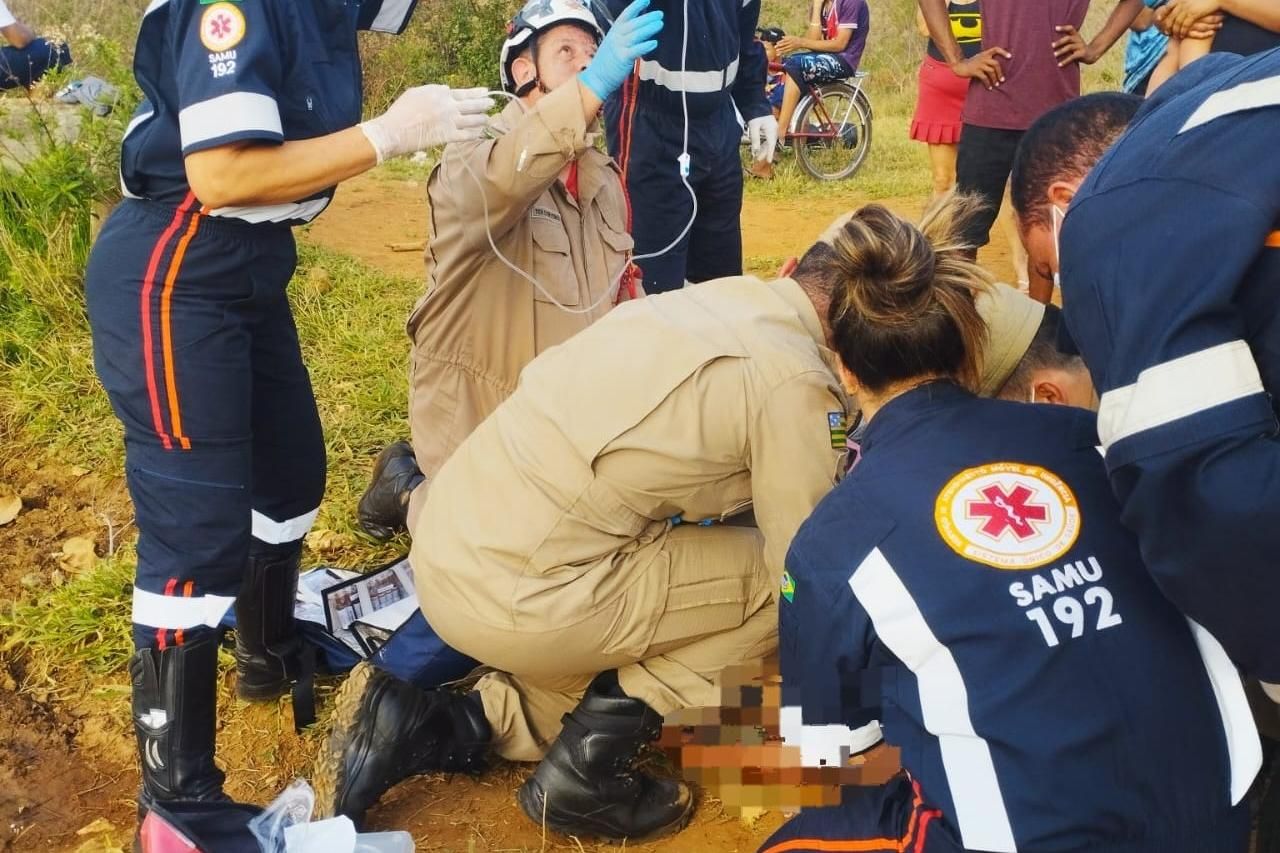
[(683, 163)]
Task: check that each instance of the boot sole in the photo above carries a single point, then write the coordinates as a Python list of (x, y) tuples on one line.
[(531, 799), (330, 762), (250, 692)]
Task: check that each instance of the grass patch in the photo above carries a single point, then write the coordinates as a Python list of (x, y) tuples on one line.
[(86, 620)]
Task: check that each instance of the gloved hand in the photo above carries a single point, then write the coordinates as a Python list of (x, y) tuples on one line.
[(425, 116), (631, 37), (763, 134)]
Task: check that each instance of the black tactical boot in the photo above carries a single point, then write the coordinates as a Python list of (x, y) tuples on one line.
[(386, 730), (384, 507), (175, 710), (588, 785), (268, 648)]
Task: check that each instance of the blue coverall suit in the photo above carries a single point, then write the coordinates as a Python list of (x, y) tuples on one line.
[(969, 584), (1170, 261), (645, 125), (193, 336)]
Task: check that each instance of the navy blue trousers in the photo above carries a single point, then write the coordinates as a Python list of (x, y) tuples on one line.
[(195, 344), (22, 66), (889, 818), (646, 141)]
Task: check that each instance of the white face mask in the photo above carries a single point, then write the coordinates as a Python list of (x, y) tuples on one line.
[(1058, 216)]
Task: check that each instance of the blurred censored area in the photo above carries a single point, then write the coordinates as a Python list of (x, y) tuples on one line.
[(736, 750)]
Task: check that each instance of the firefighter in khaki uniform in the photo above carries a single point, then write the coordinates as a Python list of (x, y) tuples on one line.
[(555, 208), (604, 599)]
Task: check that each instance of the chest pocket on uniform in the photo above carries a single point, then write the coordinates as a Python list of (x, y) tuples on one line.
[(552, 259)]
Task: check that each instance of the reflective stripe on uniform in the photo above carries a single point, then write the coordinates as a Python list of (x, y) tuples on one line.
[(224, 115), (303, 211), (1244, 750), (1247, 96), (980, 815), (171, 612), (1178, 389), (693, 82), (279, 532), (391, 16)]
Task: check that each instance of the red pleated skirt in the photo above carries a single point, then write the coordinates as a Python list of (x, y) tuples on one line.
[(939, 103)]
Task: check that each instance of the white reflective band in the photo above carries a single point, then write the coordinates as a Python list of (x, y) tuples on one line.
[(1178, 389), (825, 746), (1246, 96), (133, 125), (153, 5), (1244, 749), (391, 16), (304, 210), (280, 532), (944, 703), (174, 611), (228, 114), (693, 82)]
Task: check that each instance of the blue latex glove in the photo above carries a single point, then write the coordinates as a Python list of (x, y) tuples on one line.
[(631, 37)]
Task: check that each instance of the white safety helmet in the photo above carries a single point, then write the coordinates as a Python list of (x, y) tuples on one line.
[(536, 17)]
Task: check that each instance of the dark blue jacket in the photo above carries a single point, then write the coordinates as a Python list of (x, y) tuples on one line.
[(271, 71), (1170, 273), (970, 585), (724, 59)]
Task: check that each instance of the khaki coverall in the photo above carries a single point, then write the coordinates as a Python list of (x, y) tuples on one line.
[(545, 548), (480, 322)]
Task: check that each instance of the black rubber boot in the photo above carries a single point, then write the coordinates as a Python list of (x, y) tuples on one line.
[(384, 507), (268, 648), (588, 784), (386, 730), (175, 711)]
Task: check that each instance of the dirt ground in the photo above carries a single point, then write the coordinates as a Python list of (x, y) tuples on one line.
[(67, 779), (384, 223)]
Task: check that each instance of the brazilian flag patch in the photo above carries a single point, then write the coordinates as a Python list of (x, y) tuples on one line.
[(839, 430), (788, 587)]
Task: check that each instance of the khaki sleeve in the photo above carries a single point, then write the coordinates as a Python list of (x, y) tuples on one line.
[(793, 464), (514, 169)]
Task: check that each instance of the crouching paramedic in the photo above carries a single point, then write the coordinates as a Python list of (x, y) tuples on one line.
[(969, 585), (239, 136), (553, 205), (612, 597)]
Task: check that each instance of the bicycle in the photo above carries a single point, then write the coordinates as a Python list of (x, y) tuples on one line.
[(830, 131)]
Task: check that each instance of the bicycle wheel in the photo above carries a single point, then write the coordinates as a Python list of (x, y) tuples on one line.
[(833, 132)]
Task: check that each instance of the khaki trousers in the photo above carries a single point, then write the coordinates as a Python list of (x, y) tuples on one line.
[(703, 601)]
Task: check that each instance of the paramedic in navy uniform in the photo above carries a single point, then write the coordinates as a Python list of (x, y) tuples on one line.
[(251, 115), (970, 586)]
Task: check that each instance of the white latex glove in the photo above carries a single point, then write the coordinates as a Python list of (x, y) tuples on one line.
[(426, 116), (763, 133)]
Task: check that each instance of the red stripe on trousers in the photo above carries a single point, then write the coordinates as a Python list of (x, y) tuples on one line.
[(148, 284)]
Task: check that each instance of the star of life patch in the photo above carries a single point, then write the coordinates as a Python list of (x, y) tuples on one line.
[(1008, 515), (222, 27)]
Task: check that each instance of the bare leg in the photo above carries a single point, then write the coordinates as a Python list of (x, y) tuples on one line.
[(790, 98), (942, 165)]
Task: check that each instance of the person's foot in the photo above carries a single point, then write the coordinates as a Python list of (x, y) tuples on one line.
[(384, 506), (386, 730), (588, 784), (762, 169)]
